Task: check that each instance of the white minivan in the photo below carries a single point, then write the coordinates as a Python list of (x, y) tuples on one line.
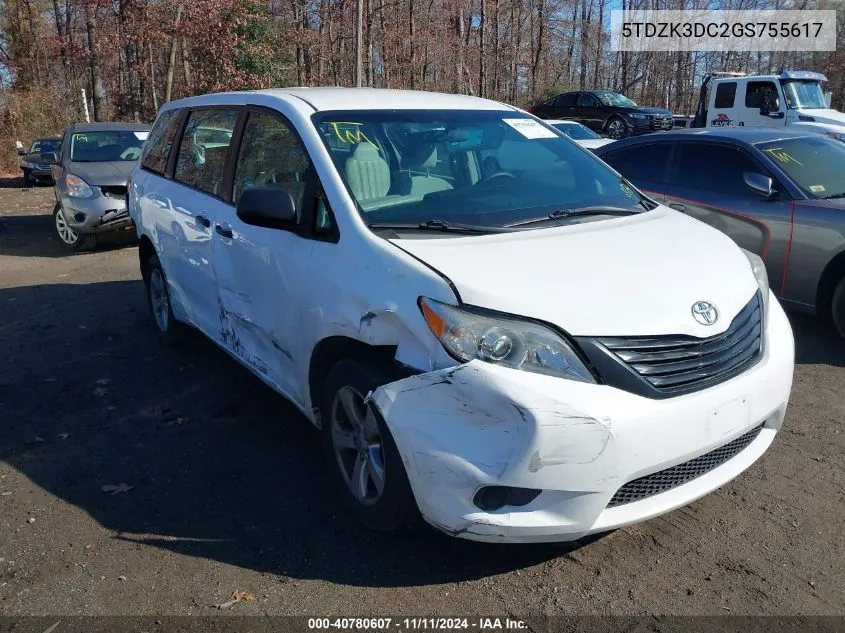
[(491, 327)]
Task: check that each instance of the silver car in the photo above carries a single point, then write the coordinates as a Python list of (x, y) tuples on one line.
[(90, 173)]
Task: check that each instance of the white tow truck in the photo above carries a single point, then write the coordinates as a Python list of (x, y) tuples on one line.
[(792, 99)]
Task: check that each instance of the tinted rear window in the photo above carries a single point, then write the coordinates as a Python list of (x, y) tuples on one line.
[(157, 147), (725, 94), (641, 163)]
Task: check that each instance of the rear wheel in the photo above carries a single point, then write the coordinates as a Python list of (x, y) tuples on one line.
[(365, 464), (838, 307), (170, 331), (617, 128)]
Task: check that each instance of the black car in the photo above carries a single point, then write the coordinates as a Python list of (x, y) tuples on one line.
[(606, 112), (33, 164), (778, 193)]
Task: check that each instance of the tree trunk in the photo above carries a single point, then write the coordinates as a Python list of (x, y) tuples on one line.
[(171, 60), (98, 91), (481, 58)]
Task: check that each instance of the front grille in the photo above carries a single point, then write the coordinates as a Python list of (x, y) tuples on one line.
[(116, 191), (674, 364), (662, 123), (675, 476)]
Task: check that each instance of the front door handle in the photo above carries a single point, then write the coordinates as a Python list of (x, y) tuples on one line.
[(678, 207), (223, 231), (204, 221)]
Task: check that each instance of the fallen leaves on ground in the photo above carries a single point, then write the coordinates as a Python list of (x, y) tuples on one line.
[(238, 595)]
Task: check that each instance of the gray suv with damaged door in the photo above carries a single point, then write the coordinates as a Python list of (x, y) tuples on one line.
[(90, 174)]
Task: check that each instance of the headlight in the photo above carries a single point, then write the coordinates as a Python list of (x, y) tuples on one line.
[(637, 115), (509, 342), (759, 269), (839, 136), (77, 188)]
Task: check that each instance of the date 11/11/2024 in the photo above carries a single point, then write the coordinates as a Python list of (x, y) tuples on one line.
[(482, 624)]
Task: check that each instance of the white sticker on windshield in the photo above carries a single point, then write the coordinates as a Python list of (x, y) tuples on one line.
[(529, 128), (817, 188), (142, 136)]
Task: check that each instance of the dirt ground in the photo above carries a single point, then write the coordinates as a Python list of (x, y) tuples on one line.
[(228, 492)]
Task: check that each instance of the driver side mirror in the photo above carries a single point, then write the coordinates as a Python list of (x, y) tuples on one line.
[(760, 184), (271, 207), (21, 151), (50, 157)]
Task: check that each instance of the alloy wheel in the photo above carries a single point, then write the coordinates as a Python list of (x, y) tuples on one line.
[(357, 445), (66, 234), (159, 301), (616, 129)]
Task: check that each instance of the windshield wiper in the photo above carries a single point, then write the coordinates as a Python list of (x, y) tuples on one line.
[(440, 225), (578, 212), (834, 195)]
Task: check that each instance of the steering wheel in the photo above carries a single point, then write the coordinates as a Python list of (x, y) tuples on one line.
[(495, 175)]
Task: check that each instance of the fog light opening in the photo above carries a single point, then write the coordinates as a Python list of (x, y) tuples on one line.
[(79, 217), (491, 498)]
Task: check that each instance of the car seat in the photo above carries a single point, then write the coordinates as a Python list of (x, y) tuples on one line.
[(367, 173)]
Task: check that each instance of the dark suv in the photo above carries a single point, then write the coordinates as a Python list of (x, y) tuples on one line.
[(606, 112)]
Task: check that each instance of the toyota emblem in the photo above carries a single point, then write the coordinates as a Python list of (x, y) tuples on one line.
[(705, 312)]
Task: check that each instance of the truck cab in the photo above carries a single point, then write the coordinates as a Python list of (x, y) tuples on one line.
[(792, 99)]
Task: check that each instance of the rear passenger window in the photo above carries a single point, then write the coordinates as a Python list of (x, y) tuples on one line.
[(725, 94), (641, 163), (202, 152), (157, 147), (724, 166), (567, 100), (271, 155)]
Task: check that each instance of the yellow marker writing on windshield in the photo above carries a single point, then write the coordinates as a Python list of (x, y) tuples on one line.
[(784, 157), (356, 135)]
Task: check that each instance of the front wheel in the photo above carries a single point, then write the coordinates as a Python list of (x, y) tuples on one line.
[(838, 307), (71, 238), (28, 180), (364, 461), (617, 128)]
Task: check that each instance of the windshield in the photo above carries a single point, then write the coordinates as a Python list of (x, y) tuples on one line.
[(803, 94), (615, 99), (105, 146), (814, 163), (576, 131), (43, 146), (484, 168)]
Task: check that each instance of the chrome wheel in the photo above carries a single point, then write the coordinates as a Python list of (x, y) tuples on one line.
[(66, 234), (159, 301), (357, 445), (616, 129)]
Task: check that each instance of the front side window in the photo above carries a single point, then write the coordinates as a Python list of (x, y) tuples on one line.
[(762, 93), (725, 166), (199, 164), (615, 99), (814, 163), (271, 155), (485, 168), (157, 147), (803, 94), (586, 100), (566, 101), (106, 145), (576, 131)]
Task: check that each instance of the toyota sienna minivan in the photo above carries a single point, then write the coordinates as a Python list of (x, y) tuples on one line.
[(491, 328)]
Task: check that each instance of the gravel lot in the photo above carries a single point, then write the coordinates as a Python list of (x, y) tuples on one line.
[(227, 491)]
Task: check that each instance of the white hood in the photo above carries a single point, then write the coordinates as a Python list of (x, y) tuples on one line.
[(628, 276), (822, 115), (594, 143)]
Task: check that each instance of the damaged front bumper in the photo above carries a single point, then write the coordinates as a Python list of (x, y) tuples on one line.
[(573, 445), (100, 214)]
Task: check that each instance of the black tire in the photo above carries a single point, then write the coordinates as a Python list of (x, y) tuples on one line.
[(838, 307), (81, 243), (28, 180), (617, 123), (394, 508), (170, 331)]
